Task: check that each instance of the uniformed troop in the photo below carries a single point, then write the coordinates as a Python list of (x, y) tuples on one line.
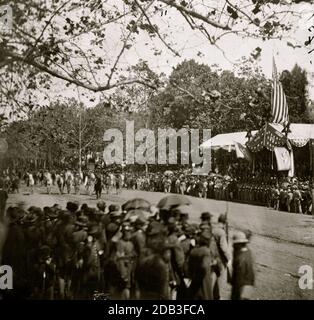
[(285, 194), (136, 251)]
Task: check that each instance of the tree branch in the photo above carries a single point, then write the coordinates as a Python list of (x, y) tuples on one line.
[(186, 92), (187, 20), (224, 54), (88, 143), (208, 36), (196, 15), (44, 29), (124, 46), (243, 13), (88, 64), (58, 75), (103, 23), (156, 30)]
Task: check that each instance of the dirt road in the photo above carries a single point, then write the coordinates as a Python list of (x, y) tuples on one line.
[(281, 241)]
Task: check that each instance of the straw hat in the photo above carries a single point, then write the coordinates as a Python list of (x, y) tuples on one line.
[(239, 237)]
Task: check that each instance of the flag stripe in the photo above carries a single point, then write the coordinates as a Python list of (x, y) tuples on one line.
[(279, 106)]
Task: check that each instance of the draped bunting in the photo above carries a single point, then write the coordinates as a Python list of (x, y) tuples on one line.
[(299, 142), (267, 137)]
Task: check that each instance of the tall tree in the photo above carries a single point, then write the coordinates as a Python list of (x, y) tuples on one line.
[(199, 97), (295, 83)]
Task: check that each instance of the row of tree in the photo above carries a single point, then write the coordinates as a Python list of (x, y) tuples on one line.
[(193, 96)]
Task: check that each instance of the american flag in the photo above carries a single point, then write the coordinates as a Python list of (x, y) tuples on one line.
[(279, 107)]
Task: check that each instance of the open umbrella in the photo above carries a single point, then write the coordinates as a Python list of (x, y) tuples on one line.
[(135, 214), (172, 201), (168, 172), (136, 203), (187, 209)]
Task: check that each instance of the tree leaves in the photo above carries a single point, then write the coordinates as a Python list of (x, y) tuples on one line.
[(206, 99), (256, 53), (233, 13), (149, 28), (256, 9)]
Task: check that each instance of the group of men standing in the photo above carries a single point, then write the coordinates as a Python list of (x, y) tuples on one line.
[(90, 253)]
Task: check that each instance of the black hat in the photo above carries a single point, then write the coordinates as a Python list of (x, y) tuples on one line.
[(206, 215), (101, 205), (31, 208), (15, 214), (72, 206), (37, 211), (51, 212), (84, 206), (222, 218)]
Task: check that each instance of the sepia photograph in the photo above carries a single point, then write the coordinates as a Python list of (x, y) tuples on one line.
[(156, 150)]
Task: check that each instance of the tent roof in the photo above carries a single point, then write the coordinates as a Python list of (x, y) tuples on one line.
[(226, 140), (299, 131)]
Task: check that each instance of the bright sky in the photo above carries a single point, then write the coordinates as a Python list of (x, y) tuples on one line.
[(189, 43)]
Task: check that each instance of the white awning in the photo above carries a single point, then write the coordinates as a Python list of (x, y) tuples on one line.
[(226, 140), (300, 134), (298, 130)]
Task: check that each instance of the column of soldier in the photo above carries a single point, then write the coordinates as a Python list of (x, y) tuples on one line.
[(137, 251), (286, 194)]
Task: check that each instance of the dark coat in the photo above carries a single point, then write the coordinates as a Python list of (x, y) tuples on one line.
[(243, 272), (152, 277), (14, 253), (200, 272)]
